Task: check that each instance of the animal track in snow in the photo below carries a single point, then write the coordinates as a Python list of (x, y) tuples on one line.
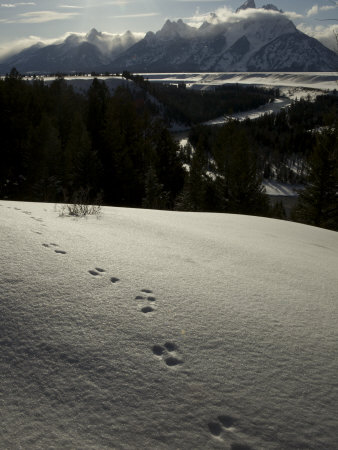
[(49, 245), (146, 308), (215, 428), (96, 272), (37, 219), (167, 352), (170, 346), (93, 272), (149, 298), (239, 446), (61, 252), (224, 423), (227, 421), (158, 350)]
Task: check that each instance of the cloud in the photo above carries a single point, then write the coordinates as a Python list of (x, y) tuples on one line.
[(225, 14), (16, 46), (71, 7), (326, 35), (41, 17), (14, 5), (200, 1), (293, 15), (222, 14), (105, 41), (315, 10), (135, 16), (114, 3)]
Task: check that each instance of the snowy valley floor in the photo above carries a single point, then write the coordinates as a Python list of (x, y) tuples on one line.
[(166, 330)]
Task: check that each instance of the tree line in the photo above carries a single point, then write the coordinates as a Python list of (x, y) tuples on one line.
[(298, 145), (56, 142), (193, 106)]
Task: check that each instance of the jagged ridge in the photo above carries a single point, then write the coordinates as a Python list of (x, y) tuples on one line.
[(254, 39)]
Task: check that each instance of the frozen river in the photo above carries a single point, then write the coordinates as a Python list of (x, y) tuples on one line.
[(293, 86)]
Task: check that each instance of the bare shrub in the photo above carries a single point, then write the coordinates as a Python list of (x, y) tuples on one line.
[(81, 206)]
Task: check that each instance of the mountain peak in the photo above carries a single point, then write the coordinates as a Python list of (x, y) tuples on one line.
[(92, 34), (248, 4), (168, 23), (72, 40), (271, 7), (174, 29)]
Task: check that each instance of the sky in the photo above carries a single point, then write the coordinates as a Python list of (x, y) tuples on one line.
[(27, 22)]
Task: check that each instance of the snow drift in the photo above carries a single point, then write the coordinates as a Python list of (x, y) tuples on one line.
[(166, 330)]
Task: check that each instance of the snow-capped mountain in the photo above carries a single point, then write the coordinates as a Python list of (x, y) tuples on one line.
[(75, 54), (293, 52), (262, 40), (248, 4), (251, 39)]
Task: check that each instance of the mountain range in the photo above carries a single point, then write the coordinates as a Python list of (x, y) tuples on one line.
[(252, 39)]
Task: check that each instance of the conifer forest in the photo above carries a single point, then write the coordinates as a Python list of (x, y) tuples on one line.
[(117, 148)]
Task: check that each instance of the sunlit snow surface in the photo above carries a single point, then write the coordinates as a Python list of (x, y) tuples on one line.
[(311, 80), (237, 343)]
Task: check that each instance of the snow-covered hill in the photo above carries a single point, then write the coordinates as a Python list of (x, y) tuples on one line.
[(166, 330)]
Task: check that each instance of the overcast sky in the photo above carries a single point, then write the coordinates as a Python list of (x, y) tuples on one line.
[(26, 22)]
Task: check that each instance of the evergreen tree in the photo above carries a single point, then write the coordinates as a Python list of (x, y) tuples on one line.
[(318, 202), (155, 196), (236, 161)]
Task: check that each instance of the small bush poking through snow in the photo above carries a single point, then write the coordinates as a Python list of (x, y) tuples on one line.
[(80, 206)]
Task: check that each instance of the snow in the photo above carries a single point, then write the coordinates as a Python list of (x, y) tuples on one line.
[(269, 108), (293, 85), (277, 188), (310, 80), (246, 306)]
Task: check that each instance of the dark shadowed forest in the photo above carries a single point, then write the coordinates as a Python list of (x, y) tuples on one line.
[(117, 148)]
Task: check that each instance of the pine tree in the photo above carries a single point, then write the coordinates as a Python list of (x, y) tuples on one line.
[(155, 196), (241, 181), (318, 202)]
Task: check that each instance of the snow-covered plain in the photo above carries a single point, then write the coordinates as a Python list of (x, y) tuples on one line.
[(311, 80), (232, 343), (289, 82)]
